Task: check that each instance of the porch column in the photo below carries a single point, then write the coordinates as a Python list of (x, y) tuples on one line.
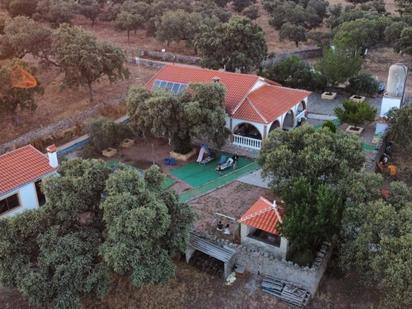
[(265, 132)]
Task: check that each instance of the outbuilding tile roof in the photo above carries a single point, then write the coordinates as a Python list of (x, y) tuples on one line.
[(270, 101), (22, 166), (237, 85), (263, 216)]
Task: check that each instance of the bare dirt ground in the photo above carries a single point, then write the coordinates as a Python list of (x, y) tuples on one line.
[(190, 289), (105, 31), (57, 103), (193, 288), (232, 200)]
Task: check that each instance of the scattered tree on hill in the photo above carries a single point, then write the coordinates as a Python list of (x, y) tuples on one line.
[(393, 33), (405, 41), (178, 26), (90, 9), (23, 36), (222, 3), (339, 64), (85, 61), (56, 12), (132, 16), (318, 155), (308, 14), (236, 45), (240, 5), (252, 11), (404, 6), (357, 34), (66, 250), (20, 7), (13, 100), (197, 113), (377, 239), (293, 33)]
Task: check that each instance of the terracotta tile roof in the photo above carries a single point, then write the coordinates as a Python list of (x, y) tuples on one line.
[(262, 105), (237, 85), (263, 216), (270, 102), (22, 166)]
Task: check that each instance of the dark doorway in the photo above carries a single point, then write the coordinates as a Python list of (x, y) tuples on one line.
[(40, 195)]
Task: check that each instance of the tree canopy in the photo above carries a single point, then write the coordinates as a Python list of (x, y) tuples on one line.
[(197, 113), (377, 238), (84, 60), (60, 253), (339, 64), (318, 155), (238, 44)]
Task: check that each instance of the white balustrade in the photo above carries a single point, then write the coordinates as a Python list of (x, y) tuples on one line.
[(247, 142)]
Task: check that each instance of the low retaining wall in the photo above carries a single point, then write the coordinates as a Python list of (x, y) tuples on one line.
[(168, 57), (303, 54)]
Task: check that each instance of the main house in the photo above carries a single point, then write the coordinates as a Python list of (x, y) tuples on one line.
[(254, 105), (21, 173)]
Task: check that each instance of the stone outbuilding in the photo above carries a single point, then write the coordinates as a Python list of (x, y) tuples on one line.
[(258, 226)]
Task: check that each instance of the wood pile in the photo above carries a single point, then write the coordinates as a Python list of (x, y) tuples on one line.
[(286, 291)]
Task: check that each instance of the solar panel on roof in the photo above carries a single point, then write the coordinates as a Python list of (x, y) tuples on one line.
[(175, 88)]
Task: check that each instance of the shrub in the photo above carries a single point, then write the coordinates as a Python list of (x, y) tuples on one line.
[(295, 73), (355, 113), (105, 133), (251, 12), (363, 84), (330, 125)]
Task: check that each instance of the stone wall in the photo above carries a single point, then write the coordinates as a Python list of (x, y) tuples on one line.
[(168, 57), (303, 54), (258, 261)]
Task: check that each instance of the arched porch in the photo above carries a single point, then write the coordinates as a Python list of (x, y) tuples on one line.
[(275, 125), (289, 120), (248, 135)]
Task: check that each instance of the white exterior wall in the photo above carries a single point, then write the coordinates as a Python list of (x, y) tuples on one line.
[(280, 252), (388, 103), (27, 198)]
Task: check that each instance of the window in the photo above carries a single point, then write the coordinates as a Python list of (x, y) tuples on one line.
[(40, 195), (9, 203)]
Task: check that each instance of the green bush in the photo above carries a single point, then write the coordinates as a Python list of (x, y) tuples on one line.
[(330, 125), (363, 84), (295, 73), (105, 133), (355, 113)]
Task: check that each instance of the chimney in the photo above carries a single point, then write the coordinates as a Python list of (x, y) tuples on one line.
[(216, 79), (52, 155), (274, 205)]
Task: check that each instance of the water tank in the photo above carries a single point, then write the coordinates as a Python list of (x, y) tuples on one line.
[(396, 80)]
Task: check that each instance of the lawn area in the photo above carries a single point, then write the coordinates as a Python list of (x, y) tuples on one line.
[(197, 175)]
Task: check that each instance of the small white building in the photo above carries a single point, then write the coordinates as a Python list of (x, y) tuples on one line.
[(258, 226), (254, 105), (21, 173)]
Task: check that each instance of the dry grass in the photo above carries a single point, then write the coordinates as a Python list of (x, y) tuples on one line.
[(57, 103), (190, 289)]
